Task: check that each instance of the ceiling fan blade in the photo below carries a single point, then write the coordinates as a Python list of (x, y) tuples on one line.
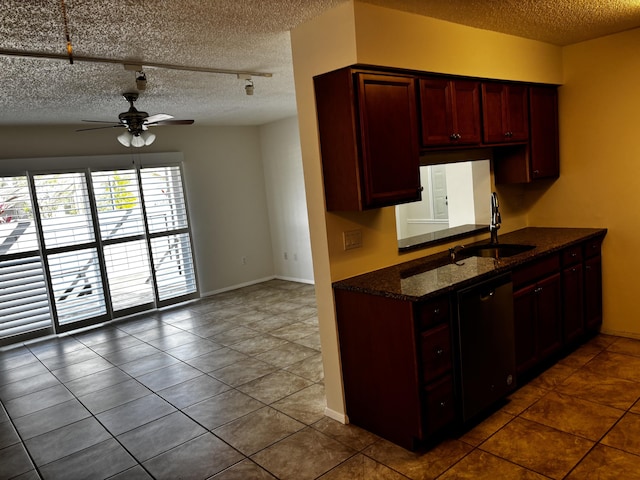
[(170, 122), (158, 117), (99, 121), (115, 125)]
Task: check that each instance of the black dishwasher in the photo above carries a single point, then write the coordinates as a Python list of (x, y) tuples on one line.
[(485, 337)]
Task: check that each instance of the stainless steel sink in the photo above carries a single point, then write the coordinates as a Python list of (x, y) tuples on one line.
[(500, 250)]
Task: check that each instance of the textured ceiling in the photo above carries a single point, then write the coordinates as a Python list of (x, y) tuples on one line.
[(224, 34)]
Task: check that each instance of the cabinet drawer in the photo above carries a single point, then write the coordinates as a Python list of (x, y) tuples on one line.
[(572, 255), (533, 271), (436, 352), (433, 312), (592, 247), (438, 402)]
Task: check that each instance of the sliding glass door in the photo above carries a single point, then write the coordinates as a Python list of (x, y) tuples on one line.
[(82, 247)]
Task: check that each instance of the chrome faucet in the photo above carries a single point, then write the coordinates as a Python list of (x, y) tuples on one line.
[(496, 219)]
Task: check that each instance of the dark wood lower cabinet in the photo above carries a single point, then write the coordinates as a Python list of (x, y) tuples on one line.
[(396, 365), (557, 303), (593, 293), (401, 361), (538, 321), (573, 306)]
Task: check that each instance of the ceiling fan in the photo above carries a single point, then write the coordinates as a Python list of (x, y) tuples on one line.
[(137, 123)]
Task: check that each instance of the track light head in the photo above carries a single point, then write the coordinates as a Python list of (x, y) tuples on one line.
[(248, 88)]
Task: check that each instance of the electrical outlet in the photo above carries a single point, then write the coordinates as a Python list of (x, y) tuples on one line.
[(352, 239), (244, 260)]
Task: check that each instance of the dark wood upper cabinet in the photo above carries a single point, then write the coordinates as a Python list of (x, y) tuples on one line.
[(368, 132), (505, 113), (450, 112), (373, 125), (543, 143)]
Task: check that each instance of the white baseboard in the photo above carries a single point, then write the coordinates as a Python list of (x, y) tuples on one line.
[(340, 417), (254, 282), (293, 279), (239, 285)]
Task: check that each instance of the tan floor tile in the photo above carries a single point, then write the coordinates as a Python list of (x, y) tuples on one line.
[(625, 435), (553, 376), (604, 463), (418, 466), (362, 468), (286, 355), (523, 398), (258, 430), (351, 435), (243, 371), (274, 386), (306, 406), (602, 341), (479, 465), (538, 447), (618, 365), (573, 415), (310, 368), (488, 427), (628, 346), (303, 456), (611, 391), (581, 356), (244, 470)]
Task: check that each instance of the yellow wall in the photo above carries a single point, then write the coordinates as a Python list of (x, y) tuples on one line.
[(362, 33), (599, 184)]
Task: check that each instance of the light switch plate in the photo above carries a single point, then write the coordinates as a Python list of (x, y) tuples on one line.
[(352, 239)]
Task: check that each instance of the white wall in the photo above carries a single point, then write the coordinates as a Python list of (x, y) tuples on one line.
[(225, 188), (284, 182)]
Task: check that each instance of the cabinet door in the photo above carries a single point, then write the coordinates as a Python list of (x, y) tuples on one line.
[(543, 104), (517, 113), (593, 293), (450, 112), (436, 112), (389, 139), (572, 287), (549, 312), (466, 111), (505, 113), (494, 122), (524, 316)]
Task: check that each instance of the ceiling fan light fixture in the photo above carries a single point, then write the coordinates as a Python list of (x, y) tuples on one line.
[(125, 139), (148, 137), (137, 141)]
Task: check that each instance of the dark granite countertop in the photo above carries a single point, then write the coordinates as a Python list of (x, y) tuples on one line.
[(435, 274)]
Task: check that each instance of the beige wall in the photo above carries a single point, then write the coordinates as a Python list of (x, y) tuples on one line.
[(599, 184), (362, 33)]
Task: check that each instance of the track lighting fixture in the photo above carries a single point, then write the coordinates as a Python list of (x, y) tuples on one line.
[(249, 87), (141, 80)]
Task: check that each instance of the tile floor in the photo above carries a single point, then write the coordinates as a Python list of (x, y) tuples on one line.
[(231, 387)]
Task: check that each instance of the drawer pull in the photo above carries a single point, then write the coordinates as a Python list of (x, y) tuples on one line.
[(439, 351), (436, 311), (443, 404), (574, 254)]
